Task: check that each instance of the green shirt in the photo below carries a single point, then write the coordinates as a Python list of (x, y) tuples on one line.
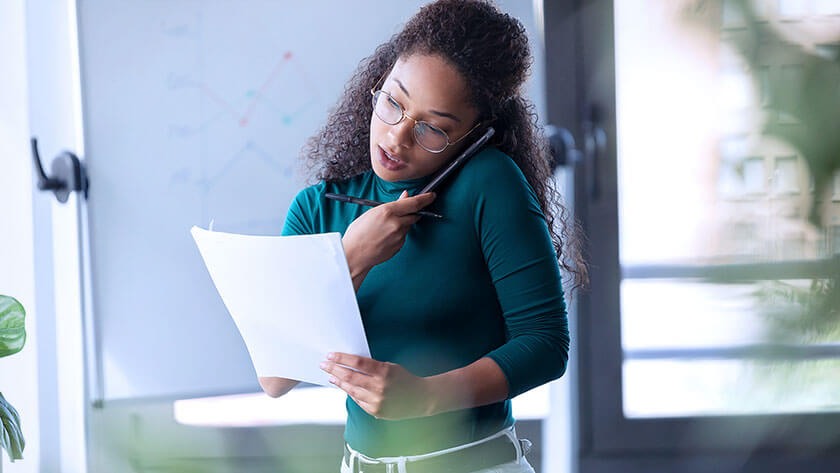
[(483, 281)]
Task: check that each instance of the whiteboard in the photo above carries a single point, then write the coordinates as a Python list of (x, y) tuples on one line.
[(196, 110)]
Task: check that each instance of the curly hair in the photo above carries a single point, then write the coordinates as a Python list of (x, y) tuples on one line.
[(490, 50)]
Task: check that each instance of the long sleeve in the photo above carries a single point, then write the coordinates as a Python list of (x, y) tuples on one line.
[(300, 218), (522, 262)]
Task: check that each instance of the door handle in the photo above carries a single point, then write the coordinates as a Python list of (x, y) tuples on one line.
[(594, 149), (561, 144)]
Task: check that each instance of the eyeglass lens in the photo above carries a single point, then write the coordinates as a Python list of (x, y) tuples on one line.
[(390, 111)]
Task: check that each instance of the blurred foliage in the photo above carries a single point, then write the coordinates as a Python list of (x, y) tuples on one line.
[(794, 314), (12, 338), (813, 100), (800, 315)]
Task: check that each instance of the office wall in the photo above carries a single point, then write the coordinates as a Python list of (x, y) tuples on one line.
[(18, 373)]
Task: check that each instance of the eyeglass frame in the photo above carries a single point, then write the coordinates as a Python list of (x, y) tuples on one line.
[(373, 91)]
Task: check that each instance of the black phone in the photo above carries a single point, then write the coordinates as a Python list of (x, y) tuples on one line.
[(467, 154)]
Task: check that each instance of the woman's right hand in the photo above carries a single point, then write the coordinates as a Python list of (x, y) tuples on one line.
[(378, 234)]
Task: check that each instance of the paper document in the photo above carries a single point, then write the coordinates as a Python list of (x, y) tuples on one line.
[(291, 298)]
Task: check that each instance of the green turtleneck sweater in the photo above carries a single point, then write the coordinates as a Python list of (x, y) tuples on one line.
[(482, 282)]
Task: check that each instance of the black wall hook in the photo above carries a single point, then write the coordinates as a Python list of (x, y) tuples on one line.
[(68, 174)]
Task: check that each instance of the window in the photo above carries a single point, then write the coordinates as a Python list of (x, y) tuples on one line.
[(709, 286), (753, 176), (835, 194), (764, 92), (790, 81), (785, 176), (835, 239), (732, 151), (732, 17)]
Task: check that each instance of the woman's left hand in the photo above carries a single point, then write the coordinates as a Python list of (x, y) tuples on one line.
[(384, 390)]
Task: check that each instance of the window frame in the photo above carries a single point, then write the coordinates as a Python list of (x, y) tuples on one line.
[(581, 91)]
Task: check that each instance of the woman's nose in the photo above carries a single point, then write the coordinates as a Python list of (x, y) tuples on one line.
[(402, 133)]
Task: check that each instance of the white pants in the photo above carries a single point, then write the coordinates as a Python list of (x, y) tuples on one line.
[(519, 465)]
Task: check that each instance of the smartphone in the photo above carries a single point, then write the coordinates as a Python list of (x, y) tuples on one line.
[(467, 154)]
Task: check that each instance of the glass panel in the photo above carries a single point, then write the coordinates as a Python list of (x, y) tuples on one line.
[(826, 7), (836, 193), (835, 239), (686, 313), (708, 175), (722, 387), (764, 84), (794, 7), (662, 313), (695, 161), (786, 176), (789, 90), (754, 176)]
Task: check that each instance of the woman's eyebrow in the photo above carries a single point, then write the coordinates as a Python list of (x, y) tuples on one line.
[(441, 114)]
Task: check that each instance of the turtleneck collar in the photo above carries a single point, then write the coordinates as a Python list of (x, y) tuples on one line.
[(395, 188)]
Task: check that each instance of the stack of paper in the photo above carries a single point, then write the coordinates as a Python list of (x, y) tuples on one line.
[(291, 298)]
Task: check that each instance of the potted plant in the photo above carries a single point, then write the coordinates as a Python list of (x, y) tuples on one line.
[(12, 338)]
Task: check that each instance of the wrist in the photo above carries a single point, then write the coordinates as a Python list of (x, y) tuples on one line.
[(354, 262), (440, 394), (433, 395)]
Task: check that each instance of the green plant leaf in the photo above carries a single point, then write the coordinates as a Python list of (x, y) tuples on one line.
[(12, 329), (11, 437)]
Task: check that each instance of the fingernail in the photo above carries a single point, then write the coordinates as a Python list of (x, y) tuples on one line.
[(330, 356), (332, 379), (324, 365)]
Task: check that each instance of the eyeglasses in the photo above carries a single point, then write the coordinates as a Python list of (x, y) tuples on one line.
[(428, 136)]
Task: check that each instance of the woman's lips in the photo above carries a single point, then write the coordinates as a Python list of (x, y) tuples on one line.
[(388, 163)]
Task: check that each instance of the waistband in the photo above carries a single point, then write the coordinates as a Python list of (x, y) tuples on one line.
[(398, 464)]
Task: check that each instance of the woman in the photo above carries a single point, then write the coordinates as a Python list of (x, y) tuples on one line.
[(461, 313)]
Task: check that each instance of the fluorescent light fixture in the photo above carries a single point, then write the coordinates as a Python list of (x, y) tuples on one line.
[(318, 405)]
